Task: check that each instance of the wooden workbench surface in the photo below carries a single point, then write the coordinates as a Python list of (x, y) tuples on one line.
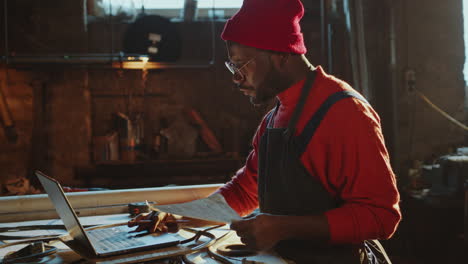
[(66, 255)]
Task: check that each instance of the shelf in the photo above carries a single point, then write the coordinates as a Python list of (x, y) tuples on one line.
[(100, 60), (110, 95), (152, 173)]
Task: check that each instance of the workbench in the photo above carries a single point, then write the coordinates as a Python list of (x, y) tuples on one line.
[(115, 174), (65, 255), (109, 207)]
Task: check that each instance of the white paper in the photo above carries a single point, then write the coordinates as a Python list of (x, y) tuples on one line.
[(212, 208)]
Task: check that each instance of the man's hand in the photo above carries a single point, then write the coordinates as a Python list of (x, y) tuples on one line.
[(155, 222), (264, 231), (165, 222), (260, 232)]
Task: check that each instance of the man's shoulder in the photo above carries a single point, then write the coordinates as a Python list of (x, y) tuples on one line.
[(329, 88), (347, 109)]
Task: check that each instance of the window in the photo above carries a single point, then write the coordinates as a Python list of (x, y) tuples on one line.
[(205, 9), (220, 4)]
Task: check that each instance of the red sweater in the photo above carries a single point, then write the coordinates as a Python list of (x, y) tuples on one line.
[(347, 154)]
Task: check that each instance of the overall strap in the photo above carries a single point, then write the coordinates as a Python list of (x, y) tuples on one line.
[(309, 130), (300, 105)]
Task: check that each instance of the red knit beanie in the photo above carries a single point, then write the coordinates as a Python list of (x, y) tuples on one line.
[(268, 24)]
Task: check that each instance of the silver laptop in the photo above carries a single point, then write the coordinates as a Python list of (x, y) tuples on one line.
[(102, 242)]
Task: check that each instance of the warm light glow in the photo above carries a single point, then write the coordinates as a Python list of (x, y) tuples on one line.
[(138, 65)]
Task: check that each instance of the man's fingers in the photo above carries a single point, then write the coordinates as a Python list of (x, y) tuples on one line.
[(241, 234), (172, 227), (152, 215), (141, 219), (154, 227), (251, 216), (141, 228), (160, 217), (235, 224), (139, 222), (134, 221), (155, 222), (241, 225), (249, 242)]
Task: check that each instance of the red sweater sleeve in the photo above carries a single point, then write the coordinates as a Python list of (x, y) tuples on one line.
[(356, 169), (241, 193)]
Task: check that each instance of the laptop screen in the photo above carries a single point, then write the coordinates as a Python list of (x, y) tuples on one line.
[(63, 208)]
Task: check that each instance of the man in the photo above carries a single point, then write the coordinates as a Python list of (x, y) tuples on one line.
[(319, 171)]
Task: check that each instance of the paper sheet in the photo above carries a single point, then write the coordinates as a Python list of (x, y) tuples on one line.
[(212, 208)]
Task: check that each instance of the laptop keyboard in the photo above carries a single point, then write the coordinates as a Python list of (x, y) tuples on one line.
[(111, 239)]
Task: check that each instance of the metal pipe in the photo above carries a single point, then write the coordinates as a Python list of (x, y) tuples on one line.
[(127, 61), (395, 145), (330, 47), (111, 22), (5, 13), (213, 38), (361, 47), (353, 50), (323, 30), (74, 58), (39, 206)]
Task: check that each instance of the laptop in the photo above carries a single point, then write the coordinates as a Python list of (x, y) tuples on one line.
[(101, 242)]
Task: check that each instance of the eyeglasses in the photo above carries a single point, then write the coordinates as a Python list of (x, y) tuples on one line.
[(234, 69)]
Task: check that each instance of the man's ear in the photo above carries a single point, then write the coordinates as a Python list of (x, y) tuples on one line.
[(280, 60)]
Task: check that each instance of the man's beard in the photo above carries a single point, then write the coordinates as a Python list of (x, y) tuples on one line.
[(273, 84)]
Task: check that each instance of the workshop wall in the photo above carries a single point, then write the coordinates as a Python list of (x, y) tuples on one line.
[(427, 37), (430, 41), (15, 155), (49, 106), (59, 109)]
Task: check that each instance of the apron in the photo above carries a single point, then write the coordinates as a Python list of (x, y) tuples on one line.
[(285, 187)]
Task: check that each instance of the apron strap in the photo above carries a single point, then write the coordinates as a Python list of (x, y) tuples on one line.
[(300, 105), (309, 130)]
